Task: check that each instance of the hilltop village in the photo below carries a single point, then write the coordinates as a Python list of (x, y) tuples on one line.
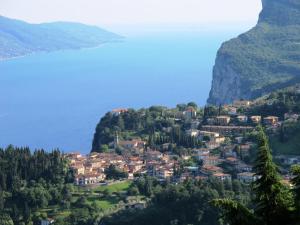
[(180, 144)]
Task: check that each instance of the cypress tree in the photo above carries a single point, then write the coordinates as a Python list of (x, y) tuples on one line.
[(1, 200), (272, 199), (296, 182), (27, 212), (121, 123), (234, 213), (273, 203)]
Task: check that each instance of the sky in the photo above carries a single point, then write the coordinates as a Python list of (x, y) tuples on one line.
[(138, 13)]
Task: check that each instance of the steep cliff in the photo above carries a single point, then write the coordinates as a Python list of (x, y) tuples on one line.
[(262, 60)]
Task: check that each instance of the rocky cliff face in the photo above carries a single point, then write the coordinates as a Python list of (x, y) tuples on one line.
[(262, 60)]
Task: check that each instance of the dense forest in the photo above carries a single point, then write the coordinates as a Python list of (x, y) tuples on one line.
[(187, 203), (31, 181)]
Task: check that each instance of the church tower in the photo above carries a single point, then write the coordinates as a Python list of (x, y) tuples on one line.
[(116, 140)]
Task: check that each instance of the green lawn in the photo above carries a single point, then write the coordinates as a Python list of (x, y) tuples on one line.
[(64, 213), (94, 194), (104, 204), (118, 187), (55, 211)]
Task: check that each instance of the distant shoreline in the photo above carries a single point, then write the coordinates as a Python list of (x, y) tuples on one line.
[(59, 50)]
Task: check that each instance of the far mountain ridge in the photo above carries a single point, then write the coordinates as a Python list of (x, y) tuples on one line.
[(19, 38)]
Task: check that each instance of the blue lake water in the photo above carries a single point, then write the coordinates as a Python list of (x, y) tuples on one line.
[(50, 100)]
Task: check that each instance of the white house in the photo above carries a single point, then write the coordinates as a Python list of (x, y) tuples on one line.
[(242, 119), (222, 176), (247, 177), (47, 221)]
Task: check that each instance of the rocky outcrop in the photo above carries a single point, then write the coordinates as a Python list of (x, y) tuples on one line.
[(261, 60), (227, 77)]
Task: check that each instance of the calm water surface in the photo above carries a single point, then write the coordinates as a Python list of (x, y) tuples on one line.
[(50, 100)]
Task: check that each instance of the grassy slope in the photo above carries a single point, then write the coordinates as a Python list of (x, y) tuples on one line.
[(92, 195), (118, 187)]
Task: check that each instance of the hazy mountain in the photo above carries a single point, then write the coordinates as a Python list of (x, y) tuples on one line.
[(18, 38)]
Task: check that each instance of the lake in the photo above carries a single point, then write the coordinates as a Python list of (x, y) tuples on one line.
[(55, 100)]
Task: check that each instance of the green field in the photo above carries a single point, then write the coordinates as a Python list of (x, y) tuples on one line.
[(117, 187)]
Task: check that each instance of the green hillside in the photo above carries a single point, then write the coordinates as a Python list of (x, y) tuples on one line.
[(261, 60)]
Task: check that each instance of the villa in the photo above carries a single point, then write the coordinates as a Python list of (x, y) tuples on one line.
[(255, 119), (271, 120), (117, 112), (223, 120), (246, 177), (89, 178), (222, 176), (242, 119), (190, 113)]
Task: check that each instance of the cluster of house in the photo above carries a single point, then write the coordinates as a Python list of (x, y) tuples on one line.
[(242, 120), (214, 130), (231, 155), (213, 134), (90, 169), (232, 110), (221, 132), (233, 125)]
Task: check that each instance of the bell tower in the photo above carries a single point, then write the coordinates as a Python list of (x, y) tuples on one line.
[(116, 140)]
